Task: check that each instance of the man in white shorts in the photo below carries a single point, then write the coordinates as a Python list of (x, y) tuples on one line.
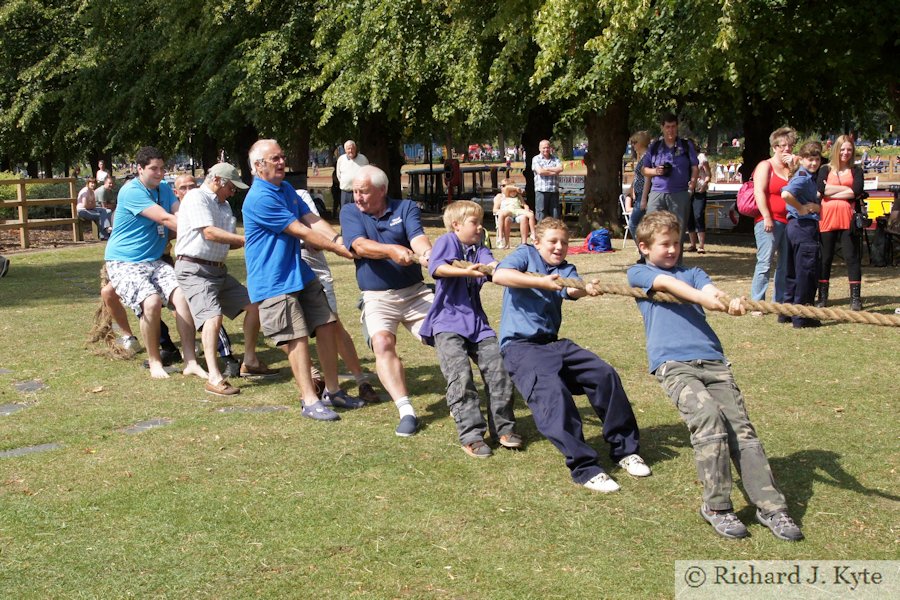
[(392, 247)]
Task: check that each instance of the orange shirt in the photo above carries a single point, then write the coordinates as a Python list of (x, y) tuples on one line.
[(836, 214)]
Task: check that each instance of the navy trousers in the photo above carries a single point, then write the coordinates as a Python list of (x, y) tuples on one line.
[(803, 261), (548, 375)]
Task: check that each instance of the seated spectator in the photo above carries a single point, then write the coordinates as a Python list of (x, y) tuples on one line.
[(89, 211), (509, 205)]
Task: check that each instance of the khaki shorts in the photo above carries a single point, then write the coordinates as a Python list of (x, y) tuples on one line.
[(384, 310), (210, 291), (292, 316)]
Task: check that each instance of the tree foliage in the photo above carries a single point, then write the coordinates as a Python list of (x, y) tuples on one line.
[(89, 77)]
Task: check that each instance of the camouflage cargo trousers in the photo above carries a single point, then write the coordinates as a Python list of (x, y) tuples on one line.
[(711, 404)]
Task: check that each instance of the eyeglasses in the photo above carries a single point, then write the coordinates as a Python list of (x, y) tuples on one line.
[(276, 159)]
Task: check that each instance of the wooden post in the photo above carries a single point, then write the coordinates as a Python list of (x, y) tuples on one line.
[(77, 234), (23, 214)]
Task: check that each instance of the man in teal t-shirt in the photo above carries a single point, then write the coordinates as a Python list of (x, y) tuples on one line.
[(144, 218)]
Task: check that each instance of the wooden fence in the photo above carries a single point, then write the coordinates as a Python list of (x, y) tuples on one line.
[(23, 203)]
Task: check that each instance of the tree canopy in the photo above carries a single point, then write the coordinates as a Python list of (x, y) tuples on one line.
[(87, 79)]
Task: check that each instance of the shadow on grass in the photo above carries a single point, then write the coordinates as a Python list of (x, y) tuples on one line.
[(797, 473)]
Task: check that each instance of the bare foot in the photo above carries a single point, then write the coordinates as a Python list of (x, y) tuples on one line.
[(192, 368), (156, 370)]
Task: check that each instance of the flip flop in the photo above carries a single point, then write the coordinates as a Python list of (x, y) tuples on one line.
[(701, 251)]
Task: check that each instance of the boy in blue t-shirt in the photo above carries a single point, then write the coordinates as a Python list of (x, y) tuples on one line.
[(803, 259), (548, 370), (687, 358), (458, 328)]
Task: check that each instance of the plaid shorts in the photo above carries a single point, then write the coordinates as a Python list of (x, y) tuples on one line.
[(135, 282)]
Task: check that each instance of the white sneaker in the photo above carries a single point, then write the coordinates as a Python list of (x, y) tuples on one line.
[(602, 483), (635, 466), (130, 343)]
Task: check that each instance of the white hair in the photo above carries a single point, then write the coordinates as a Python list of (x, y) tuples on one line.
[(350, 142), (376, 176), (256, 153)]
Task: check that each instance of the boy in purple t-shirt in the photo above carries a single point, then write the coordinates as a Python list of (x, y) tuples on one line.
[(458, 328)]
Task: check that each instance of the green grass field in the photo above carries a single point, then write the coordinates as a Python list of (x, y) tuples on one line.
[(272, 505)]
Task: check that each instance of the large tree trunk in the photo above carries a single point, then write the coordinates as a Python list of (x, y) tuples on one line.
[(298, 152), (759, 122), (607, 134), (47, 163), (209, 155), (244, 139), (538, 126), (379, 140), (31, 167)]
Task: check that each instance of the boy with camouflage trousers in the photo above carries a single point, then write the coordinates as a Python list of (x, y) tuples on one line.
[(687, 358)]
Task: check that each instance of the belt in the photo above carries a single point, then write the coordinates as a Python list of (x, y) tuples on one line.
[(200, 261)]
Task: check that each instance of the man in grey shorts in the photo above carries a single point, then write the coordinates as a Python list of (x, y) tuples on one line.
[(292, 302), (206, 230)]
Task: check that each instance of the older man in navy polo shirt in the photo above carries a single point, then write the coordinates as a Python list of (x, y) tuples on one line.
[(392, 247)]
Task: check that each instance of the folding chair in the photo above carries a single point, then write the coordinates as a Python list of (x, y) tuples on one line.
[(627, 215)]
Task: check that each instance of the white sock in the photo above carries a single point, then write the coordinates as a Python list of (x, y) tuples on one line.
[(405, 407)]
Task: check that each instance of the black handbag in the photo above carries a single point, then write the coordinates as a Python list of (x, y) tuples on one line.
[(859, 221)]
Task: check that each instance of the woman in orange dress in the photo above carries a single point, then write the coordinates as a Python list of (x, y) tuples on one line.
[(841, 185)]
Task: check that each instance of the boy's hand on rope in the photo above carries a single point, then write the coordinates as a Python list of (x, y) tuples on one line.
[(736, 307), (592, 287)]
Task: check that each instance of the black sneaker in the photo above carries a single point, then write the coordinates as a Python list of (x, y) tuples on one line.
[(725, 523), (170, 356), (232, 368), (782, 526)]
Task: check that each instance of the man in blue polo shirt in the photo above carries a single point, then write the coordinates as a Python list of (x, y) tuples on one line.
[(144, 218), (392, 248), (292, 302), (672, 163)]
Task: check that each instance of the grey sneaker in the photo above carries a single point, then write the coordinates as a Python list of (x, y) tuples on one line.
[(477, 449), (726, 524), (340, 399), (782, 526), (130, 343)]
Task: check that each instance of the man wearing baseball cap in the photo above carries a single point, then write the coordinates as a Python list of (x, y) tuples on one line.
[(206, 231)]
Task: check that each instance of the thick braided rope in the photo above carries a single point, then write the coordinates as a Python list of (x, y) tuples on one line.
[(788, 310)]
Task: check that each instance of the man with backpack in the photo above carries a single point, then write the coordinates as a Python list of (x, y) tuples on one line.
[(672, 163)]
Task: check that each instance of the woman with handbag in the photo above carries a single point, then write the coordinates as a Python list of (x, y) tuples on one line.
[(636, 198), (770, 228), (841, 185)]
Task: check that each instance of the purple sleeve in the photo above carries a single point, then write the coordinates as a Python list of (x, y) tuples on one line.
[(484, 256), (444, 252)]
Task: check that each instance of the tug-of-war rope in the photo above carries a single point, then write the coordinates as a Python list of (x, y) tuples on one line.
[(788, 310)]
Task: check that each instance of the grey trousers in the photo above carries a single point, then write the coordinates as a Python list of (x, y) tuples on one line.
[(454, 352)]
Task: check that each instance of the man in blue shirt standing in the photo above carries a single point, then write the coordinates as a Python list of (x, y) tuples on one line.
[(391, 245), (292, 302), (144, 219)]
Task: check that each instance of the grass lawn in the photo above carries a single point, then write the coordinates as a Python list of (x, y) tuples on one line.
[(269, 505)]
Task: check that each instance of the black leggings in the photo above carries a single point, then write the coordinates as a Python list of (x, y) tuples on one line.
[(697, 217), (850, 249)]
